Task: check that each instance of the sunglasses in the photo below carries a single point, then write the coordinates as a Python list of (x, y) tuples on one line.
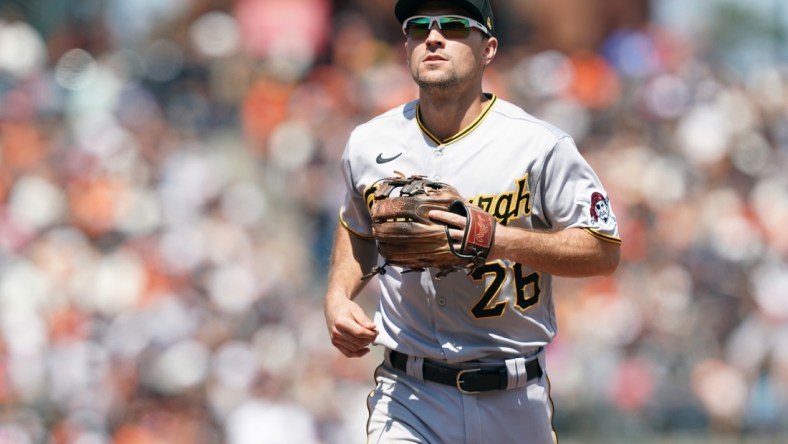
[(451, 26)]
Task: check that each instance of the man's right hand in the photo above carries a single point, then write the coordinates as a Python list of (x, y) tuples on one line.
[(350, 329)]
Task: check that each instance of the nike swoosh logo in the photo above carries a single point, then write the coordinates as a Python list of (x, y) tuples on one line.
[(381, 159)]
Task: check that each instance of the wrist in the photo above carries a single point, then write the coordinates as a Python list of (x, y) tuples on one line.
[(334, 298), (501, 243)]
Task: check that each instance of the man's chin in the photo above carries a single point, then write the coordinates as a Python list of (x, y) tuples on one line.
[(436, 83)]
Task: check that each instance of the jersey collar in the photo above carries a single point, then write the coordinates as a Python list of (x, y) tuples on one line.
[(463, 132)]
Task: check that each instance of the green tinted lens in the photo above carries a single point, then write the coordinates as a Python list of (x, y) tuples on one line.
[(418, 27), (454, 27)]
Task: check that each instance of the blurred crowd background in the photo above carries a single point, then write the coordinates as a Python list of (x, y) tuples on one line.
[(169, 187)]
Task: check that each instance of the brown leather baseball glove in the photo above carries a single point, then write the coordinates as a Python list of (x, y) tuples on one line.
[(408, 238)]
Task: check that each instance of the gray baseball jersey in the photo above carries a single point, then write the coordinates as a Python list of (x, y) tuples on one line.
[(522, 170)]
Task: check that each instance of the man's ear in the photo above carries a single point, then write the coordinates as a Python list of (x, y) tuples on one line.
[(489, 51)]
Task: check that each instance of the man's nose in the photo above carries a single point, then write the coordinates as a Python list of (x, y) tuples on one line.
[(435, 35)]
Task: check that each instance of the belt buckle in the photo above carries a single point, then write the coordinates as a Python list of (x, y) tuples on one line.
[(460, 381)]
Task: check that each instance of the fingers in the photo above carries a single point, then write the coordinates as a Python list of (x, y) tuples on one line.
[(353, 354), (448, 218), (351, 346), (354, 336), (456, 235), (363, 321), (350, 349), (350, 330)]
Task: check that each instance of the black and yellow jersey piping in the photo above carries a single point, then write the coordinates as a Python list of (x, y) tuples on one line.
[(462, 133), (603, 236)]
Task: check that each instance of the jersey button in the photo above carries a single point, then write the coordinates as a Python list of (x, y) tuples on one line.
[(437, 178), (442, 302), (438, 154)]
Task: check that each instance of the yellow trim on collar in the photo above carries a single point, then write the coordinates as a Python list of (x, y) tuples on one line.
[(462, 133)]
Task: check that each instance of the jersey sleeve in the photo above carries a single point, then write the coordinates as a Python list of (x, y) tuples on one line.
[(573, 194), (354, 214)]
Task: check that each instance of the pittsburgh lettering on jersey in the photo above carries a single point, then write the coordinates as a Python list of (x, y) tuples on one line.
[(369, 195), (507, 206)]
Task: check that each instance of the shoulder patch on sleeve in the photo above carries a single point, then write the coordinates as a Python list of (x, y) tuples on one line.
[(600, 214)]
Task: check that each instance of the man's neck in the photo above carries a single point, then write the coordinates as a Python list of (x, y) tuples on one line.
[(445, 115)]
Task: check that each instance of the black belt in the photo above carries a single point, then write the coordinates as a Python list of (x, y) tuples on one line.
[(467, 380)]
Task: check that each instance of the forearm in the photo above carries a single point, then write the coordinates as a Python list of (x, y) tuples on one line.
[(351, 258), (572, 252)]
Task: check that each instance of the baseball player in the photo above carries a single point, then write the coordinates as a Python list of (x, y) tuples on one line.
[(464, 353)]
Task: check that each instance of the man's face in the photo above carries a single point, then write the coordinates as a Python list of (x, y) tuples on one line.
[(441, 64)]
